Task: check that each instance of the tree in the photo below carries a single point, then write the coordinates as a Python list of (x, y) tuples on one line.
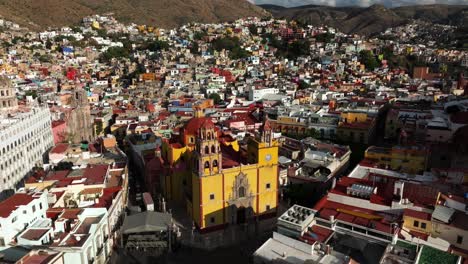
[(114, 52), (324, 37), (48, 44), (156, 45), (216, 98), (32, 93), (368, 59), (297, 49), (101, 33), (303, 85), (63, 165), (199, 35), (253, 29), (99, 127), (45, 58), (231, 44), (194, 48)]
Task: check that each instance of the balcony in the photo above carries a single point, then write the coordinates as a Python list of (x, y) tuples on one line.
[(100, 250)]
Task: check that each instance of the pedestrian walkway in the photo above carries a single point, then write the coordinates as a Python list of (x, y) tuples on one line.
[(231, 235)]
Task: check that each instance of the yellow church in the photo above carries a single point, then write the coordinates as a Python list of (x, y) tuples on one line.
[(220, 179)]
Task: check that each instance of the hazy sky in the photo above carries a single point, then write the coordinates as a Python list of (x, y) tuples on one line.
[(388, 3)]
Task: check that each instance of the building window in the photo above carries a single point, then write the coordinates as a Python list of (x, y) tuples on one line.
[(423, 225), (207, 165), (268, 207), (459, 239), (268, 186), (207, 150), (212, 196), (213, 149), (241, 192), (215, 163), (212, 220), (416, 224), (40, 206), (14, 219), (25, 212), (34, 208)]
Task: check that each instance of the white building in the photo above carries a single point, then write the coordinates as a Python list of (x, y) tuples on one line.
[(19, 211), (257, 94), (25, 136), (87, 239)]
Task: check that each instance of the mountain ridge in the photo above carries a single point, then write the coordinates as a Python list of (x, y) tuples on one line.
[(373, 19), (40, 14)]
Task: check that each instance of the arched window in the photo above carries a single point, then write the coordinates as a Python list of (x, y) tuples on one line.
[(213, 149), (209, 135), (215, 163), (207, 150), (241, 192), (207, 164)]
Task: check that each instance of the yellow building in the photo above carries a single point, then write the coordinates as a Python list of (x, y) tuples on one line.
[(356, 127), (416, 222), (404, 159), (221, 181)]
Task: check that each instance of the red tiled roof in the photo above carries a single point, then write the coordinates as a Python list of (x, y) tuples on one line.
[(73, 242), (71, 213), (192, 127), (423, 195), (417, 214), (345, 217), (57, 175), (361, 221), (316, 233), (59, 148), (95, 174), (419, 235), (57, 123), (34, 234), (37, 259), (53, 213), (10, 204)]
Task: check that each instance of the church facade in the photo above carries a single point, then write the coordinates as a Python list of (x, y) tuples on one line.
[(221, 180)]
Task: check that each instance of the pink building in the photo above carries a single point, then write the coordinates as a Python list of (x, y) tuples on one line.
[(59, 130)]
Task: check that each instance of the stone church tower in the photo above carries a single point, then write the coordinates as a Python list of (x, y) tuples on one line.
[(8, 101), (79, 122)]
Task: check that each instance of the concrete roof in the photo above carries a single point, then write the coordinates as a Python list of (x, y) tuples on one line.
[(148, 221)]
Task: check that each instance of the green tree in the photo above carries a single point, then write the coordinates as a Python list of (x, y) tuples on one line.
[(325, 37), (216, 98), (368, 59), (156, 45), (194, 48), (32, 93), (114, 52), (199, 35), (297, 49), (99, 127), (253, 29), (231, 44), (48, 44), (45, 58), (303, 85), (101, 33)]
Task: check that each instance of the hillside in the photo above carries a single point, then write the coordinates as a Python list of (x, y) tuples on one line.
[(373, 19), (39, 14)]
